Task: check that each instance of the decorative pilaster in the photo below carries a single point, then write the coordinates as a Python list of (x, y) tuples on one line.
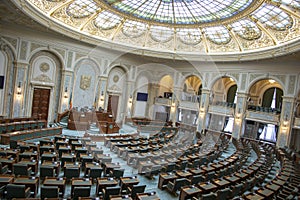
[(286, 116), (239, 115), (153, 89), (103, 97), (204, 103), (66, 91), (174, 104), (19, 91)]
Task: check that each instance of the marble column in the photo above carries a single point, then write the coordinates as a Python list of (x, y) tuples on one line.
[(66, 91), (103, 97), (153, 89), (20, 87), (203, 110), (286, 116), (239, 115)]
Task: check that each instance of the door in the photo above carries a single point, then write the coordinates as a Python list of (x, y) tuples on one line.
[(113, 102), (40, 103)]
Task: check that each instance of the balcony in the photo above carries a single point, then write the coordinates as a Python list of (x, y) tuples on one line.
[(266, 117), (163, 101)]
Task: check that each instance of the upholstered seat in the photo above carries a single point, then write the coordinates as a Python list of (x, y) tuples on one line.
[(110, 191), (81, 192), (47, 171), (17, 191), (49, 192), (173, 187), (136, 189), (21, 169)]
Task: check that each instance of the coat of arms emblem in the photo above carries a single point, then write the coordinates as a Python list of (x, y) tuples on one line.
[(85, 82)]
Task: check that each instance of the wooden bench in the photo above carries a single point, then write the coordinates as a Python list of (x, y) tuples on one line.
[(29, 134)]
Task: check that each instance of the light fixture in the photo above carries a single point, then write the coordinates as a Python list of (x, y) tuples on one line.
[(130, 99), (285, 121), (231, 79), (19, 89), (102, 96), (271, 81), (66, 93)]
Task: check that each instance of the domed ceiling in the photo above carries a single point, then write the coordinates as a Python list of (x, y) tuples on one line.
[(227, 29)]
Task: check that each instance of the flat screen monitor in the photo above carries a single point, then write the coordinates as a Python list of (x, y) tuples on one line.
[(1, 82), (142, 96)]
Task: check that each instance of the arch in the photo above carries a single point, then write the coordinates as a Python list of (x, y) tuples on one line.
[(45, 72), (52, 51), (95, 65), (257, 79)]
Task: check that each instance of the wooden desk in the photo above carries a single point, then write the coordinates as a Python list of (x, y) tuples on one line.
[(208, 168), (32, 182), (164, 178), (123, 197), (254, 197), (147, 196), (232, 179), (128, 182), (6, 179), (105, 182), (265, 193), (88, 166), (53, 181), (183, 174), (241, 175), (196, 171), (274, 187), (80, 182), (207, 187), (31, 163), (54, 164), (110, 166), (188, 192), (49, 156), (221, 183)]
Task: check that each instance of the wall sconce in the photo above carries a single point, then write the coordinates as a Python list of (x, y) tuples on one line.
[(130, 99), (101, 96), (19, 89), (66, 93), (285, 121)]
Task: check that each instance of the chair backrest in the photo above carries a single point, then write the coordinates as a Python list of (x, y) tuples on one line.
[(15, 191), (179, 183), (20, 169), (117, 173), (237, 189), (209, 196), (13, 144), (47, 171), (137, 189), (95, 172), (197, 179), (72, 173), (224, 193), (49, 192), (81, 192), (111, 191)]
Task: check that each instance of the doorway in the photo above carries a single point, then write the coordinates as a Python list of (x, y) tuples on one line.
[(113, 103), (40, 103)]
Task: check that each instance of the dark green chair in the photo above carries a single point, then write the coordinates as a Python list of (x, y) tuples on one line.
[(17, 191), (47, 171), (108, 191), (175, 186), (49, 192), (21, 169), (136, 189), (81, 192)]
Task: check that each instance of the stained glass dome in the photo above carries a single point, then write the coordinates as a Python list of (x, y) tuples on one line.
[(176, 28)]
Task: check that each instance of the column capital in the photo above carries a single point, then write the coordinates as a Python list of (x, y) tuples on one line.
[(20, 64)]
